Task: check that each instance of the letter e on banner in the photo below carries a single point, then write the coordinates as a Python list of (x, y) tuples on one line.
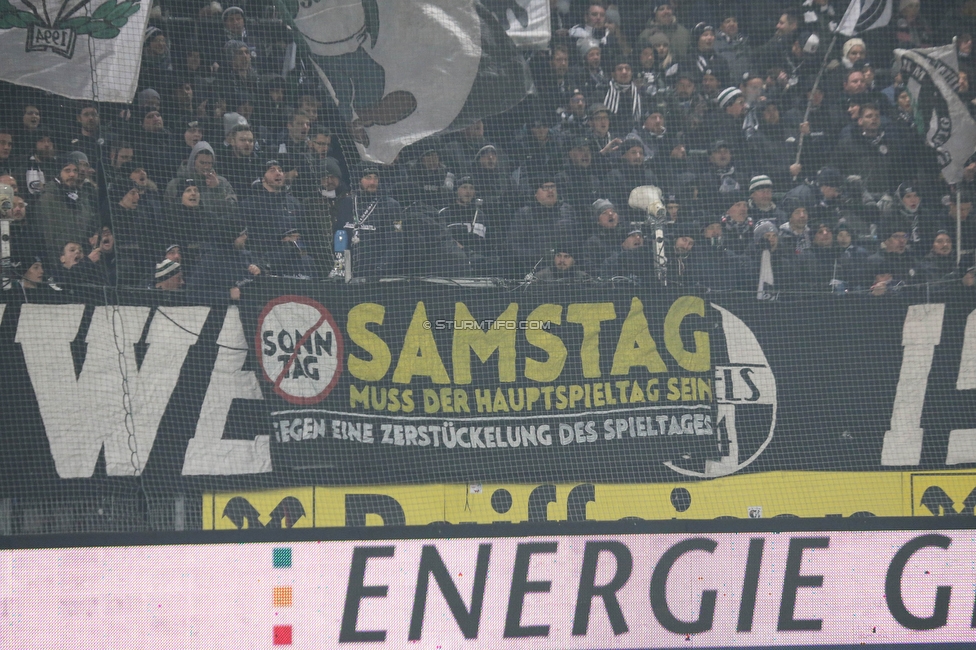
[(300, 349)]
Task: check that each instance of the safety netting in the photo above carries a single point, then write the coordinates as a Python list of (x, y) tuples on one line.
[(341, 264)]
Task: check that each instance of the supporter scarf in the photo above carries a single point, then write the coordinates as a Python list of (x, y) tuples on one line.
[(612, 99)]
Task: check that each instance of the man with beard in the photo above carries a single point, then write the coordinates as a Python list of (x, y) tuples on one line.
[(373, 224), (66, 210), (243, 166), (939, 264), (537, 226), (871, 154), (664, 148), (563, 267), (88, 137)]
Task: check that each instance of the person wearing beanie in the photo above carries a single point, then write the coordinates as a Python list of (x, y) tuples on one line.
[(538, 151), (719, 175), (563, 266), (630, 170), (188, 224), (631, 259), (133, 227), (718, 268), (373, 222), (603, 236), (892, 267), (468, 220), (707, 60), (157, 62), (788, 269), (591, 76), (320, 208), (911, 214), (761, 205), (216, 193), (581, 180), (737, 227), (939, 264), (912, 30), (795, 232), (160, 155), (168, 276), (732, 45), (30, 276), (269, 208)]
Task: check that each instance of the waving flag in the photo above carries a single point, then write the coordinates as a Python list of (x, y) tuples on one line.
[(932, 79), (525, 21), (81, 49), (864, 15), (401, 71)]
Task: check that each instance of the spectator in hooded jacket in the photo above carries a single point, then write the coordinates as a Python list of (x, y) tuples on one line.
[(216, 193)]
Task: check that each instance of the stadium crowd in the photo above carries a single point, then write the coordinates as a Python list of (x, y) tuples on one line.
[(663, 142)]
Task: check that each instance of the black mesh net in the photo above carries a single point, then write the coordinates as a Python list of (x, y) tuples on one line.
[(311, 264)]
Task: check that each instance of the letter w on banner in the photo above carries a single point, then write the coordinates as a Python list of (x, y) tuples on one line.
[(81, 49), (932, 79), (401, 71)]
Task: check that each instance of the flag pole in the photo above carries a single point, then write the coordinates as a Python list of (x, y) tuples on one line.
[(816, 84), (958, 226)]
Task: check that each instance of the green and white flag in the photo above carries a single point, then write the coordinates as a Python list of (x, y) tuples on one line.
[(81, 49)]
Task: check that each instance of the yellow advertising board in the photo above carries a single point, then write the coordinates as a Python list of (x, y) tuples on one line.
[(772, 494)]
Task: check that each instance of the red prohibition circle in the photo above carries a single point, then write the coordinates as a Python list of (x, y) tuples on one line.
[(324, 317)]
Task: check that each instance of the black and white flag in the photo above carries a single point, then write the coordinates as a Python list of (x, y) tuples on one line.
[(525, 21), (864, 15), (401, 71), (932, 79)]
